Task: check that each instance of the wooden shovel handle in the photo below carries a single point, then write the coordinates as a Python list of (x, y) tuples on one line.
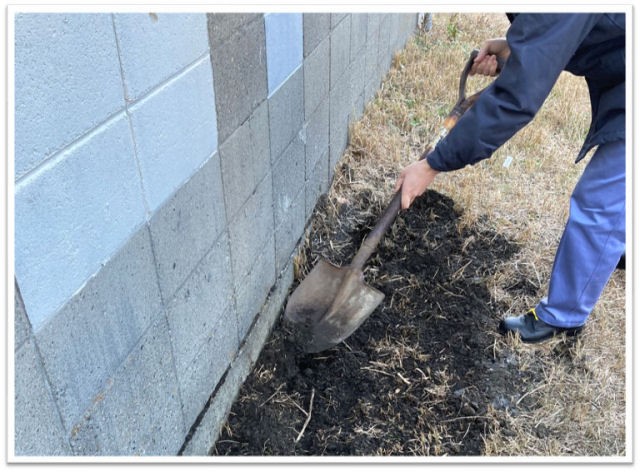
[(373, 239)]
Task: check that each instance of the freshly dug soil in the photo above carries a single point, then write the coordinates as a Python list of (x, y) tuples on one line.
[(421, 376)]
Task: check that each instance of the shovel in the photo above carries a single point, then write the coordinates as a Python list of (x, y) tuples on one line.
[(332, 302)]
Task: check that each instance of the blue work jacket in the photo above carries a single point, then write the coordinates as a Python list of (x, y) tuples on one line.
[(542, 46)]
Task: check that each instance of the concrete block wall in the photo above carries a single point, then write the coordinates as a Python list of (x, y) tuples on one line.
[(165, 168)]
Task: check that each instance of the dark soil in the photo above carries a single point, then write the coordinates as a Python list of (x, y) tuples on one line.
[(420, 376)]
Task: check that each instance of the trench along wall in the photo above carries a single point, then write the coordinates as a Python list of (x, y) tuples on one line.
[(165, 167)]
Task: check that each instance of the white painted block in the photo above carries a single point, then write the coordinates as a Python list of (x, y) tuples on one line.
[(175, 131), (72, 214), (154, 47), (67, 81), (284, 47)]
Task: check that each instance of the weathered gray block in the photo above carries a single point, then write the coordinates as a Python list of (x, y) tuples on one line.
[(370, 90), (317, 135), (373, 26), (384, 50), (316, 27), (359, 23), (339, 139), (239, 74), (206, 433), (253, 289), (317, 183), (357, 81), (245, 159), (251, 228), (286, 113), (288, 179), (406, 23), (38, 429), (394, 37), (340, 53), (336, 18), (222, 25), (371, 51), (138, 413), (339, 110), (94, 332), (199, 379), (22, 327), (290, 230), (316, 77), (358, 108), (187, 225), (197, 307)]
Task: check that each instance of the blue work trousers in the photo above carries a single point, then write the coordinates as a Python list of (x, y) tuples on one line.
[(592, 242)]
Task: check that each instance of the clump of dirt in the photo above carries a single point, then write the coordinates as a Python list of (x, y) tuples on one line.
[(421, 376)]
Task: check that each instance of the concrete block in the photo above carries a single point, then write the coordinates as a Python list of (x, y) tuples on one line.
[(359, 22), (95, 331), (156, 46), (317, 183), (199, 305), (185, 228), (316, 77), (245, 159), (207, 431), (336, 18), (317, 135), (373, 26), (21, 327), (175, 132), (339, 110), (66, 82), (316, 27), (384, 49), (339, 139), (288, 179), (138, 413), (286, 113), (357, 82), (394, 33), (404, 28), (38, 430), (239, 74), (199, 379), (72, 215), (283, 32), (252, 291), (371, 48), (340, 52), (406, 25), (290, 230), (222, 26), (358, 108), (370, 90), (251, 228)]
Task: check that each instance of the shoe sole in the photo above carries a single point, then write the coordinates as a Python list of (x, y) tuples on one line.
[(568, 331)]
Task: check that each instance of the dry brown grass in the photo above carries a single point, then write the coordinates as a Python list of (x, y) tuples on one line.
[(579, 407)]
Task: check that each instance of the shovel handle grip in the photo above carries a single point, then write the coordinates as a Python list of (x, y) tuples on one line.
[(371, 242), (465, 74)]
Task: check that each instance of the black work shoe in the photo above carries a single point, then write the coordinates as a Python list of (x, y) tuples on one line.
[(532, 329), (621, 262)]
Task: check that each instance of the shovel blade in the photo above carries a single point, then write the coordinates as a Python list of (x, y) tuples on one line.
[(329, 305)]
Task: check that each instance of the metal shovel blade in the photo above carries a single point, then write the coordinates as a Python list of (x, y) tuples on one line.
[(329, 305)]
